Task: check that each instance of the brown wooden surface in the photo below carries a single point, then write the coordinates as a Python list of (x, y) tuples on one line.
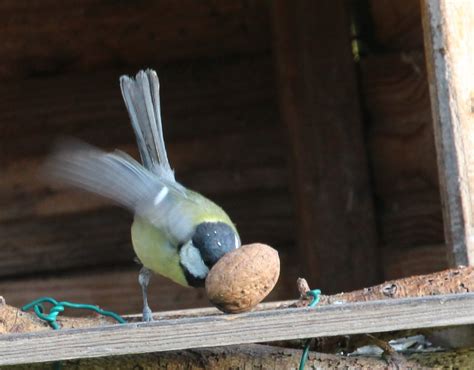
[(402, 150), (413, 260), (397, 24), (252, 356), (50, 37), (319, 104), (449, 44), (260, 326), (395, 92), (262, 356)]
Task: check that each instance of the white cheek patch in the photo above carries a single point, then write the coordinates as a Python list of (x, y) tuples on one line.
[(190, 258), (161, 195), (236, 241)]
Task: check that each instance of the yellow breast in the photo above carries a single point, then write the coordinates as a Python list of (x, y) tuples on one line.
[(156, 252)]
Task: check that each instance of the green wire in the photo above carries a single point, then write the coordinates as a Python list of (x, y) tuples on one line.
[(316, 294), (58, 307)]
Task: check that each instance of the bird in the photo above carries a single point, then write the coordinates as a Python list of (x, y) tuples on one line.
[(176, 232)]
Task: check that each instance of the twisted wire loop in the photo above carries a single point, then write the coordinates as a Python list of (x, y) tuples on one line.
[(316, 295), (58, 307)]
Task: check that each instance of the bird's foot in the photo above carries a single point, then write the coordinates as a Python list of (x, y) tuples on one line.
[(147, 314)]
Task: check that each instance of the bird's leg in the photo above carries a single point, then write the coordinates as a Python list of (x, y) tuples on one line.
[(144, 278)]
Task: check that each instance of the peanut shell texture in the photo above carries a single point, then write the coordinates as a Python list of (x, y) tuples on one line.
[(241, 279)]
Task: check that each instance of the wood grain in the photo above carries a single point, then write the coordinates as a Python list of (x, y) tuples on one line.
[(403, 158), (448, 41), (260, 356), (199, 99), (254, 356), (397, 24), (50, 37), (318, 95), (378, 316), (413, 260)]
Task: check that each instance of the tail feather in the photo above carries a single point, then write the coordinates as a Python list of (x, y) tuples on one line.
[(142, 98)]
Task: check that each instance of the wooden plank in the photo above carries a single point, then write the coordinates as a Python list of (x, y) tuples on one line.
[(402, 150), (397, 24), (263, 326), (411, 217), (257, 356), (449, 43), (319, 103), (250, 356), (403, 158), (49, 37), (199, 99), (404, 261)]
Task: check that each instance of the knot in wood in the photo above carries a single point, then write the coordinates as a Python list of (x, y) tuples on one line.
[(389, 290)]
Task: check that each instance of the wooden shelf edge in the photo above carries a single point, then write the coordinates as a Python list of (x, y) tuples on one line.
[(253, 327)]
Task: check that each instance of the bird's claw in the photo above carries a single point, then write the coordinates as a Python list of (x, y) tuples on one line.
[(147, 314)]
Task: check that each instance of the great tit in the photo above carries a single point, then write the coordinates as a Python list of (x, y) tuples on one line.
[(176, 232)]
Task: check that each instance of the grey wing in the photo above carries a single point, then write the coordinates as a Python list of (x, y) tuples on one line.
[(142, 98), (123, 180)]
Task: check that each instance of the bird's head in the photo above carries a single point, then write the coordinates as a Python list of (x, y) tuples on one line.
[(208, 243)]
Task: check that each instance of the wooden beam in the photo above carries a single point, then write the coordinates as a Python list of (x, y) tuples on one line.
[(449, 49), (249, 356), (402, 152), (199, 99), (320, 107), (262, 326), (397, 24), (49, 37), (400, 261)]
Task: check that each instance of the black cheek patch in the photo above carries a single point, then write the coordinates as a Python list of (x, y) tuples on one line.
[(213, 239), (192, 280)]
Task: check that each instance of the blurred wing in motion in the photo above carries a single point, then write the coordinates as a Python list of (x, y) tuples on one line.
[(120, 178)]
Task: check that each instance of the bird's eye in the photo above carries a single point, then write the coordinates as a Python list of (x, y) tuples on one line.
[(214, 239)]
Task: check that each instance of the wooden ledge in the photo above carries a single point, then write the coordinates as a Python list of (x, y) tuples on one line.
[(253, 327)]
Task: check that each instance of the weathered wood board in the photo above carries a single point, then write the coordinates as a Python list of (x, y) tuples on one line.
[(320, 108), (402, 150), (260, 326), (448, 27), (49, 37)]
